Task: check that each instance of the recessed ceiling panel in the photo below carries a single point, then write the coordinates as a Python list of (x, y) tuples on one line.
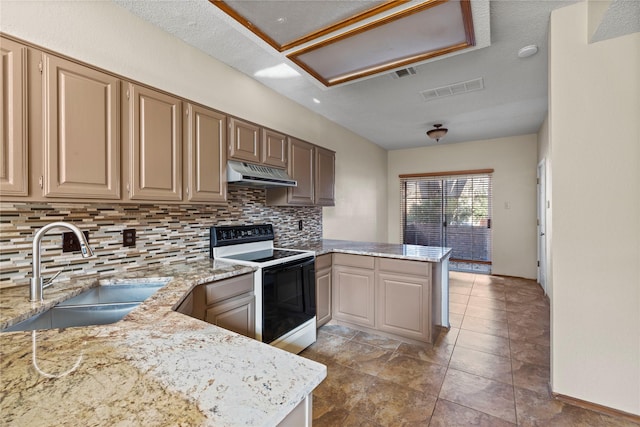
[(416, 34), (288, 23)]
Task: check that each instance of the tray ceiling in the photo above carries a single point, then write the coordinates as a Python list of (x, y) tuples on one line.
[(362, 38), (481, 92)]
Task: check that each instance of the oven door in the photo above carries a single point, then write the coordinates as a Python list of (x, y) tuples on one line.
[(288, 297)]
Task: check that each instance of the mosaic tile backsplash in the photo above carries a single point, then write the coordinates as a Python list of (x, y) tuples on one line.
[(164, 233)]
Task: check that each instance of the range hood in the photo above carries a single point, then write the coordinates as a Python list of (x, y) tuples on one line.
[(250, 175)]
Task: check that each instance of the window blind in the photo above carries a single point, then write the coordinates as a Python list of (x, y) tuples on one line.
[(451, 210)]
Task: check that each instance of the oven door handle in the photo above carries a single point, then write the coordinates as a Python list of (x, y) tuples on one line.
[(298, 264), (296, 267)]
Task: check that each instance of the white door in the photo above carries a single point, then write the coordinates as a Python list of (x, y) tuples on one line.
[(542, 230)]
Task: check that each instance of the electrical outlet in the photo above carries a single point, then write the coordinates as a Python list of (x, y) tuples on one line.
[(129, 237), (70, 242), (300, 225)]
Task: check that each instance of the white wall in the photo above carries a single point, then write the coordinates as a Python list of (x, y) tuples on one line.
[(594, 110), (107, 36), (514, 182)]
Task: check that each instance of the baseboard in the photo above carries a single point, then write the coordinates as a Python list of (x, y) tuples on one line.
[(596, 408)]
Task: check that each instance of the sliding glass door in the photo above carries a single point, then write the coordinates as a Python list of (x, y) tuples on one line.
[(452, 211)]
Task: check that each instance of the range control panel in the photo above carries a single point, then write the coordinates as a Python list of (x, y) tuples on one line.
[(226, 235)]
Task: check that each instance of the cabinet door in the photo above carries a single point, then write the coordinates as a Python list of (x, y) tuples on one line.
[(244, 141), (323, 296), (236, 314), (274, 148), (354, 295), (13, 119), (301, 162), (323, 289), (205, 140), (404, 305), (81, 133), (325, 177), (154, 131)]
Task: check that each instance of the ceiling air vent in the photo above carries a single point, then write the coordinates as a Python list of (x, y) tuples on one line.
[(453, 89), (405, 72)]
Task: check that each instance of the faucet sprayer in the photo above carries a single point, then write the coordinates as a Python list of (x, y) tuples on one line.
[(35, 290)]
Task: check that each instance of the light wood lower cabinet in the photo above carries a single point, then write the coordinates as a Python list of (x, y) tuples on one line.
[(323, 289), (301, 416), (353, 278), (14, 180), (228, 303), (383, 294), (236, 314), (186, 306)]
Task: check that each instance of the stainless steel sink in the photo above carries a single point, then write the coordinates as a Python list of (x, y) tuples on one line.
[(101, 305)]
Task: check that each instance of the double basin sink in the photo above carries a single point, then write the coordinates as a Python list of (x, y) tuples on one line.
[(104, 304)]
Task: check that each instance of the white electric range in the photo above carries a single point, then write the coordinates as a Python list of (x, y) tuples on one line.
[(284, 284)]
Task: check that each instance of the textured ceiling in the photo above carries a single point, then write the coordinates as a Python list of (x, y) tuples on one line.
[(391, 112), (622, 17)]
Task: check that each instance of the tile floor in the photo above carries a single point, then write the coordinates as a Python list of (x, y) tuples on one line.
[(490, 369)]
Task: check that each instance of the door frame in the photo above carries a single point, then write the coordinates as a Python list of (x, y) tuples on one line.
[(541, 184)]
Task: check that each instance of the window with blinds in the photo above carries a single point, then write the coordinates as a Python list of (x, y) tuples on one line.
[(451, 209)]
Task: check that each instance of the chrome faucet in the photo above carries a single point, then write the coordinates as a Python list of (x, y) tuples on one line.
[(37, 284)]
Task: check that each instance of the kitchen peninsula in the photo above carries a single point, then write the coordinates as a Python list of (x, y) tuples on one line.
[(387, 288), (155, 367), (160, 367)]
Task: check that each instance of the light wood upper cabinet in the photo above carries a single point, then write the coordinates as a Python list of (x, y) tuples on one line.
[(314, 169), (244, 141), (81, 133), (274, 148), (301, 169), (152, 123), (13, 119), (325, 176), (205, 136)]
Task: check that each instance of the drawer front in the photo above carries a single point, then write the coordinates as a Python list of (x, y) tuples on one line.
[(415, 268), (227, 288), (323, 261), (359, 261)]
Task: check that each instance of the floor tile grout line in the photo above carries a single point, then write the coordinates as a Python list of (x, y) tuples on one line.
[(513, 379), (455, 343)]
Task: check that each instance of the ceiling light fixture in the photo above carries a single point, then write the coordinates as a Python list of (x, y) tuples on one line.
[(528, 51), (437, 132), (316, 100)]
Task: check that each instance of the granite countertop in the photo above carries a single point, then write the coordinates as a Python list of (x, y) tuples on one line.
[(154, 367), (387, 250)]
